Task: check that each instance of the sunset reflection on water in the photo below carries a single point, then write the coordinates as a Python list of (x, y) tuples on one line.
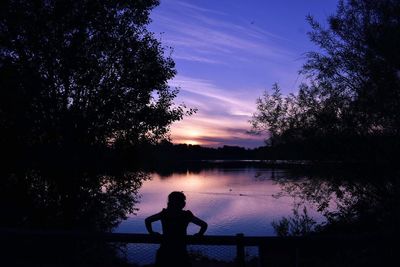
[(230, 200)]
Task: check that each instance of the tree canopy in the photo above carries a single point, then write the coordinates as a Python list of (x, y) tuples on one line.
[(82, 73), (352, 88)]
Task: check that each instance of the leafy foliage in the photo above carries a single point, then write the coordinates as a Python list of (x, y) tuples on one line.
[(82, 73), (69, 200), (352, 200), (300, 224), (352, 93), (357, 73)]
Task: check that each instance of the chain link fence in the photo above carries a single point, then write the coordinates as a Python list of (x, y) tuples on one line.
[(141, 254), (62, 249)]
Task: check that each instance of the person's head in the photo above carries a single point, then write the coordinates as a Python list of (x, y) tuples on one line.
[(176, 200)]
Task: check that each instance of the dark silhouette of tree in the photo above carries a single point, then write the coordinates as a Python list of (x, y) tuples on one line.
[(69, 200), (73, 201), (351, 198), (352, 93), (357, 73), (354, 203), (300, 224), (79, 81), (77, 74)]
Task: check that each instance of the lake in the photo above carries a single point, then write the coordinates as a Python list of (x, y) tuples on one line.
[(230, 200), (232, 197)]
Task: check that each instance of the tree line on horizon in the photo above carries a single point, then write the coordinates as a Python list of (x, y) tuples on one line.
[(83, 85), (85, 81), (349, 106)]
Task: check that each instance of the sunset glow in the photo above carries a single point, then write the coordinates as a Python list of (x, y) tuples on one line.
[(188, 136), (227, 53), (188, 142), (213, 133)]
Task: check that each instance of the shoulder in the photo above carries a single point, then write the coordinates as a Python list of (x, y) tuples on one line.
[(163, 212), (154, 217), (189, 214)]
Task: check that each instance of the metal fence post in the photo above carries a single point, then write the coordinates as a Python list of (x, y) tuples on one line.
[(240, 255), (262, 255)]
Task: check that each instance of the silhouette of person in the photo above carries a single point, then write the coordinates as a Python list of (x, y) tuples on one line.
[(174, 221)]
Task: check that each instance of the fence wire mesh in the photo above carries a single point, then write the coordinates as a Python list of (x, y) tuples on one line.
[(72, 249), (140, 254)]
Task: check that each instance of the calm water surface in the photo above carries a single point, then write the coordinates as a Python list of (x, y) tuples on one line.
[(232, 201)]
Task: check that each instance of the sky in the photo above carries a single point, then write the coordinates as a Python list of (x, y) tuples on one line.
[(227, 53)]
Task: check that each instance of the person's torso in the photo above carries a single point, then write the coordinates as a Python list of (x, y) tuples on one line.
[(175, 222)]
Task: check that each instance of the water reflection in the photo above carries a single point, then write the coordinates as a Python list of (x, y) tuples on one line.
[(65, 200), (355, 200), (68, 200), (230, 200)]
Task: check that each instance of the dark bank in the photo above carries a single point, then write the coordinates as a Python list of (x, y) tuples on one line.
[(86, 110)]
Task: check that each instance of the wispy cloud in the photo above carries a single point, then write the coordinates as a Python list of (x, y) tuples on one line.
[(242, 27), (213, 133), (208, 35), (206, 88), (216, 40), (197, 58), (225, 60), (222, 117), (197, 8)]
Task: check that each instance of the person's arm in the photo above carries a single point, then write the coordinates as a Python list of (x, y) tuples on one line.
[(149, 220), (203, 225)]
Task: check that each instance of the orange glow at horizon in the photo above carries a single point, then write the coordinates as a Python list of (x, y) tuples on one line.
[(212, 132), (188, 142), (193, 133), (187, 133)]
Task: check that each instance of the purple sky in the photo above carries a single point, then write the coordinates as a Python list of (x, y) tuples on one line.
[(227, 52)]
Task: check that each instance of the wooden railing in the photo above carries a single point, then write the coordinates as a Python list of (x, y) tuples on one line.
[(272, 251)]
